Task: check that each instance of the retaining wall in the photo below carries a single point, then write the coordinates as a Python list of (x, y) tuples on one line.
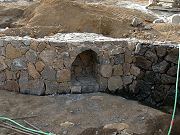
[(84, 62)]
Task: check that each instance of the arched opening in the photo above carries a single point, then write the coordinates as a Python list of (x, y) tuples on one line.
[(84, 73)]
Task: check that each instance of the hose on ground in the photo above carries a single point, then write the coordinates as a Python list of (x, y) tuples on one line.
[(176, 97), (23, 128)]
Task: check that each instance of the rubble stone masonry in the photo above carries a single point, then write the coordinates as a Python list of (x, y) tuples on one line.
[(86, 62)]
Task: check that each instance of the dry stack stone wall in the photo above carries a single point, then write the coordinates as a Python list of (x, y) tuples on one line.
[(84, 62)]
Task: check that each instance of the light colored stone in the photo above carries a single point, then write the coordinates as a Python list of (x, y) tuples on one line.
[(2, 51), (134, 70), (117, 70), (159, 20), (75, 89), (12, 52), (63, 75), (118, 126), (27, 41), (39, 66), (97, 98), (67, 124), (116, 51), (48, 56), (175, 19), (1, 42), (106, 70), (19, 64), (115, 83), (3, 65), (32, 71), (136, 22)]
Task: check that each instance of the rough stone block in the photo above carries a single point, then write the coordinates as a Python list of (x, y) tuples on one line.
[(32, 71), (161, 51), (12, 85), (166, 79), (135, 70), (3, 65), (143, 63), (161, 67), (34, 87), (48, 56), (49, 73), (31, 56), (19, 64), (51, 87), (75, 89), (126, 68), (172, 71), (64, 75), (172, 56), (103, 83), (39, 66), (12, 52), (127, 79), (119, 59), (106, 70), (115, 83), (117, 70)]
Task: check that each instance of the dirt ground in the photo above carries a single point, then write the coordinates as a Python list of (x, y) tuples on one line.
[(105, 17), (83, 114)]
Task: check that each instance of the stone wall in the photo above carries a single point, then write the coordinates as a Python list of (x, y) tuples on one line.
[(82, 63)]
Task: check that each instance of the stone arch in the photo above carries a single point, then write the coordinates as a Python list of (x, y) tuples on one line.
[(84, 71)]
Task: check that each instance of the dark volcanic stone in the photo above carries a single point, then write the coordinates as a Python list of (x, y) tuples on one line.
[(143, 63)]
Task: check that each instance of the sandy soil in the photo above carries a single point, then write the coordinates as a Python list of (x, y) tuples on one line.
[(87, 113), (97, 16)]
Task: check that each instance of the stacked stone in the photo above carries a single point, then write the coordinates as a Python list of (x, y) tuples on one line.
[(45, 66), (158, 64), (118, 70), (33, 67)]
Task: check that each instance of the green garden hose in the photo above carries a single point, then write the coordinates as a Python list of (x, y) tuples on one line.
[(25, 129), (176, 96)]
